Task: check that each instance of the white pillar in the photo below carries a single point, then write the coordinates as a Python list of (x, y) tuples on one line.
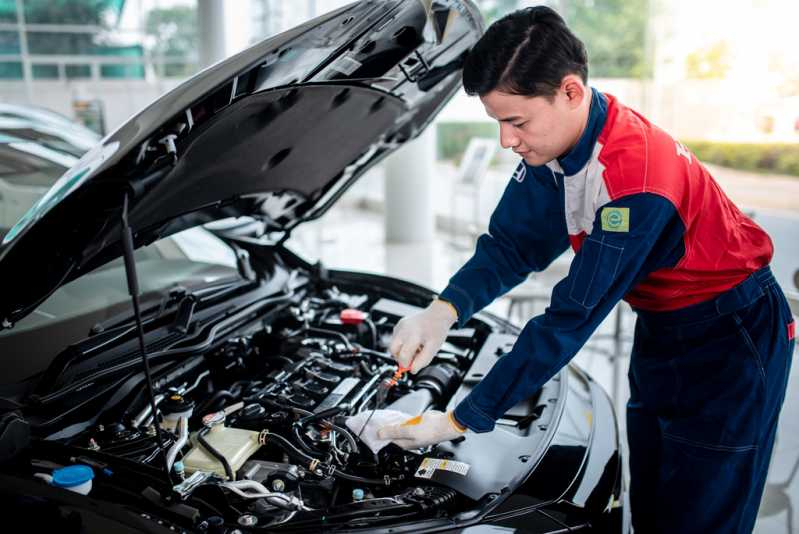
[(409, 213), (27, 69), (211, 22)]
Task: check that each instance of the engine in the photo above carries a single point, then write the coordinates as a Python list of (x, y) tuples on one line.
[(255, 431)]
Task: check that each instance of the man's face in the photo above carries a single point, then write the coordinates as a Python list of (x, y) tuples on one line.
[(537, 128)]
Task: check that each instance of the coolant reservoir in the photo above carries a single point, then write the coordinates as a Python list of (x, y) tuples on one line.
[(235, 444)]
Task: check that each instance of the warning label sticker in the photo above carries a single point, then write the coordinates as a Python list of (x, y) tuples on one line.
[(429, 466)]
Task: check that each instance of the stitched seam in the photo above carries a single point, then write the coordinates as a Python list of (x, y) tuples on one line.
[(593, 275), (668, 196), (646, 152), (463, 294), (577, 274), (596, 268), (724, 448), (603, 243), (751, 345), (478, 410)]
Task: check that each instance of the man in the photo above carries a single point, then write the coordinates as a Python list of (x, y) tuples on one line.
[(648, 224)]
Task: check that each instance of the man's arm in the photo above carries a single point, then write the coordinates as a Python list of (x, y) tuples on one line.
[(526, 232), (631, 237)]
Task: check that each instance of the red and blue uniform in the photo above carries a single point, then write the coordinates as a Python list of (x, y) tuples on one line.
[(714, 334)]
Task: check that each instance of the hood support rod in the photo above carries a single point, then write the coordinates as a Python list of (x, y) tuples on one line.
[(133, 289)]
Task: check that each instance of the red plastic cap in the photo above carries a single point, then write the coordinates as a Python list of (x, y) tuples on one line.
[(351, 316)]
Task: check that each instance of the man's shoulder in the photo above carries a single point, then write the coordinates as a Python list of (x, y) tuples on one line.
[(636, 154)]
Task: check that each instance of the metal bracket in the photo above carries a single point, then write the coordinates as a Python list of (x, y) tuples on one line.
[(419, 68)]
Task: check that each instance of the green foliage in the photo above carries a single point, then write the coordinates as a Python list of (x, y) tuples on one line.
[(453, 137), (614, 33), (495, 9), (175, 33), (709, 63), (779, 158)]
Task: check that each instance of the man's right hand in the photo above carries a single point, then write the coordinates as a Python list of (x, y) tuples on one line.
[(418, 337)]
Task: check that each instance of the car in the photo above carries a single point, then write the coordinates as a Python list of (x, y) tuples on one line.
[(208, 389), (47, 128)]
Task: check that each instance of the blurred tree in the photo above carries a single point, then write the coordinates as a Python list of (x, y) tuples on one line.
[(614, 31), (175, 37), (494, 9), (709, 63)]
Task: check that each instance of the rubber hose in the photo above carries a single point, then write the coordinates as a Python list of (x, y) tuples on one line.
[(292, 450), (215, 453)]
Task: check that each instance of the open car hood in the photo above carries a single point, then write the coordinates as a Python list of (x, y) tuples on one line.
[(277, 132)]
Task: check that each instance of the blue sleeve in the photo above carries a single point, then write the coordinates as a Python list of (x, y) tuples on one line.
[(526, 232), (631, 237)]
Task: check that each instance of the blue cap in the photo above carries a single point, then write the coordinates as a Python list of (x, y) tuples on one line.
[(71, 476), (357, 494), (178, 466)]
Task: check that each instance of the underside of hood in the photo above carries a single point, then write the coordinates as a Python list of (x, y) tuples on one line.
[(277, 132)]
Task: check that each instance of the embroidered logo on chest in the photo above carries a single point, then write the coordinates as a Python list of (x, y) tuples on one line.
[(520, 172)]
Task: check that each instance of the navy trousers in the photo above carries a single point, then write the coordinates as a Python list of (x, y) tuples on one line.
[(706, 386)]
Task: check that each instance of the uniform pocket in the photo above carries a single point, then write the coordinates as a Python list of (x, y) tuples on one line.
[(718, 401), (597, 264), (750, 344)]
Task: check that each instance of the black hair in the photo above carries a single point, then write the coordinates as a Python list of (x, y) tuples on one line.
[(527, 52)]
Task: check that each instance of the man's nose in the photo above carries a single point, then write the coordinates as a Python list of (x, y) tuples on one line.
[(507, 139)]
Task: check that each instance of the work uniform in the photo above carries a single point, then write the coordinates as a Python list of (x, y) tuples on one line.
[(713, 337)]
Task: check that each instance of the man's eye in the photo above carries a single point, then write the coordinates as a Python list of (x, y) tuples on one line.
[(519, 125)]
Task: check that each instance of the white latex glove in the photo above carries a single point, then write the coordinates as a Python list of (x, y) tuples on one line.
[(423, 430), (418, 337)]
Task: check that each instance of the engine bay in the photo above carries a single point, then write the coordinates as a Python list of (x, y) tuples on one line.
[(253, 431)]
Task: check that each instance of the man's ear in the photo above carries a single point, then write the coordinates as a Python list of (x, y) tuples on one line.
[(574, 89)]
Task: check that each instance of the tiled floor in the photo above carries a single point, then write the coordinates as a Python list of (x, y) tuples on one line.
[(331, 240)]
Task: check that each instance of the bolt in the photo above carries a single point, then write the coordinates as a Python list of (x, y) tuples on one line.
[(248, 520)]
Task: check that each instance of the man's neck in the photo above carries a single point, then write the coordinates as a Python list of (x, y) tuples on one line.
[(585, 112)]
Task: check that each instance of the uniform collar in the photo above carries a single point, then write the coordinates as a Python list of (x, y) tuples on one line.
[(574, 160)]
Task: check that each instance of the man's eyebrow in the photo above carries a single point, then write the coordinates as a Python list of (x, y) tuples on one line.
[(510, 119)]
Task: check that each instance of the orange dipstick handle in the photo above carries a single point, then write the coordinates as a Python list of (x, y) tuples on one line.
[(397, 375)]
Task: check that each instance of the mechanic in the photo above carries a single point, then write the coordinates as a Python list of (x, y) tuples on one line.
[(648, 224)]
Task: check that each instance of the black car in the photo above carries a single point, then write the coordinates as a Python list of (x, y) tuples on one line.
[(254, 361)]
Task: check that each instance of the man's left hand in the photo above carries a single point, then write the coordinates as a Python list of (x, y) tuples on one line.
[(423, 430)]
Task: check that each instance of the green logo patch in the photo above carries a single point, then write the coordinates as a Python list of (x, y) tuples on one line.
[(616, 219)]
